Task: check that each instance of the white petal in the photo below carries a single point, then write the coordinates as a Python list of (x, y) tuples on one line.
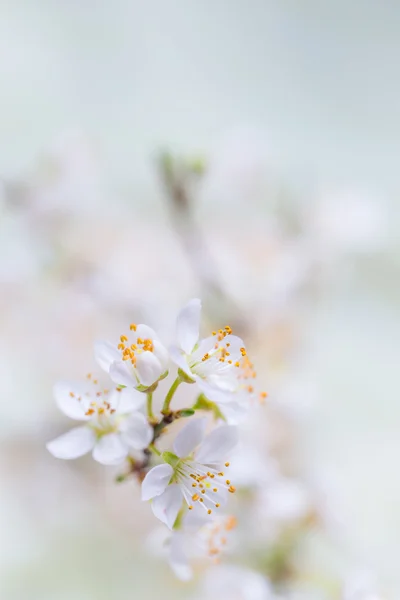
[(148, 368), (235, 344), (196, 518), (217, 445), (145, 332), (214, 393), (161, 353), (137, 432), (205, 345), (74, 443), (110, 449), (178, 559), (121, 374), (166, 506), (179, 359), (126, 400), (234, 412), (156, 481), (106, 353), (189, 437), (188, 325), (69, 404)]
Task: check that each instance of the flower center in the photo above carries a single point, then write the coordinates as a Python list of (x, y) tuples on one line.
[(216, 535), (130, 348), (199, 484), (247, 372), (95, 404)]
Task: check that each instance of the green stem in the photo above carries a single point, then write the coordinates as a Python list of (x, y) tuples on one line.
[(154, 449), (150, 405), (169, 396)]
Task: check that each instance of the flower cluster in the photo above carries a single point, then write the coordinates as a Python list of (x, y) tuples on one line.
[(188, 485)]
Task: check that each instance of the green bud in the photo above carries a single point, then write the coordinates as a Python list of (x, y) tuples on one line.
[(185, 412), (197, 165)]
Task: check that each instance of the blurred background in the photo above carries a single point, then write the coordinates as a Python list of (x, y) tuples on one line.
[(245, 153)]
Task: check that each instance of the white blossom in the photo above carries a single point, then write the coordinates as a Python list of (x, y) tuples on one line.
[(112, 426), (194, 472), (215, 363), (282, 503), (235, 583), (199, 540), (361, 585), (139, 359)]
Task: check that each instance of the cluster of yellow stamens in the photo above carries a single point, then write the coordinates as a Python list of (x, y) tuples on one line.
[(224, 350), (217, 536), (248, 372), (100, 406), (207, 482), (129, 351), (221, 333)]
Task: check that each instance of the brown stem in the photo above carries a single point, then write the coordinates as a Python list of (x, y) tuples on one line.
[(176, 182)]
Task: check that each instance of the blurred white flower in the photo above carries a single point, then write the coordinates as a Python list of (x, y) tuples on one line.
[(139, 360), (349, 222), (193, 472), (235, 583), (252, 469), (112, 423), (283, 502), (198, 540), (361, 586)]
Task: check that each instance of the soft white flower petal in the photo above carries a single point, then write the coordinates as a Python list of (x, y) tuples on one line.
[(233, 581), (74, 443), (161, 353), (179, 359), (188, 325), (145, 332), (214, 393), (196, 518), (178, 559), (126, 400), (148, 368), (137, 431), (156, 481), (122, 375), (189, 437), (105, 354), (205, 345), (69, 404), (234, 412), (235, 344), (217, 445), (225, 380), (110, 449), (167, 505)]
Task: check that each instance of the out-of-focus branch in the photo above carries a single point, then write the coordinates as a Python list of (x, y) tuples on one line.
[(178, 178)]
